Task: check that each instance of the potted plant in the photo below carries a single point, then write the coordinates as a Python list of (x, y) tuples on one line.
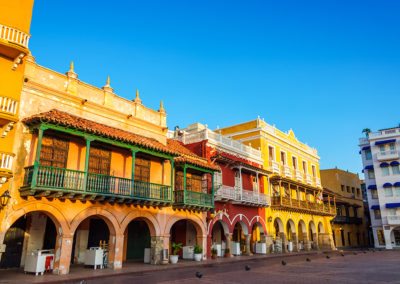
[(198, 253), (227, 252), (176, 247), (214, 253)]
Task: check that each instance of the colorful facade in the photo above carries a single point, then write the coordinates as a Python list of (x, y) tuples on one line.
[(238, 221), (349, 227), (298, 218)]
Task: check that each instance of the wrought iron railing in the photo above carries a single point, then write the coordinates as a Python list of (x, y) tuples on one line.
[(303, 204)]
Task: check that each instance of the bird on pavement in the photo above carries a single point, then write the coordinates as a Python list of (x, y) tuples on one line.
[(283, 262), (247, 268), (342, 254), (307, 259), (328, 257), (199, 274)]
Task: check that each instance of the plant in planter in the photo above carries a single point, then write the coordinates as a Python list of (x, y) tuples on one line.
[(198, 253), (214, 253), (176, 247), (227, 253)]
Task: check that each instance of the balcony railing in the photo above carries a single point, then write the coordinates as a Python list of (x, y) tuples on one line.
[(45, 180), (297, 174), (317, 181), (193, 199), (286, 171), (274, 167), (393, 220), (248, 197), (307, 178), (303, 205), (387, 155), (14, 36), (347, 220), (6, 162), (8, 106), (385, 133)]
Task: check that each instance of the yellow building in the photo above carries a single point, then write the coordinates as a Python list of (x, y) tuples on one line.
[(298, 218), (349, 226)]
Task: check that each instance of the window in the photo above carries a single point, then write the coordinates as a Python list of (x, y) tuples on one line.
[(271, 154), (368, 154), (305, 167), (392, 146), (382, 148), (396, 170), (380, 237), (358, 192), (99, 161), (142, 169), (194, 183), (397, 190), (391, 212), (374, 194), (377, 214), (342, 186), (313, 170), (283, 158), (371, 174), (217, 179), (339, 211), (355, 212), (388, 192), (385, 171), (352, 190), (294, 160), (348, 189), (54, 152)]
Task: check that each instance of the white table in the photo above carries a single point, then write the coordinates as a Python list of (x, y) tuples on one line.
[(261, 248), (36, 261), (235, 248), (188, 252), (94, 256)]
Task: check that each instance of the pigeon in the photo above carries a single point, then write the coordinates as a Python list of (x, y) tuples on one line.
[(283, 262), (328, 257), (307, 259), (199, 274), (342, 254), (247, 268)]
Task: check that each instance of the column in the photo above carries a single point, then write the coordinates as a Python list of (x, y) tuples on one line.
[(87, 157), (241, 182), (133, 171), (202, 241), (172, 163), (388, 239), (62, 258), (295, 242), (157, 246), (37, 157), (115, 251), (248, 250), (284, 242), (228, 238)]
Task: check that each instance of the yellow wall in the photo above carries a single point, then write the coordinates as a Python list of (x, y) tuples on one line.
[(16, 14)]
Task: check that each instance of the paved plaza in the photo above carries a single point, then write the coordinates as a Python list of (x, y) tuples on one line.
[(353, 267)]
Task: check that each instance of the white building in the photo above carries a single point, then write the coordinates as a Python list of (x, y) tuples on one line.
[(380, 157)]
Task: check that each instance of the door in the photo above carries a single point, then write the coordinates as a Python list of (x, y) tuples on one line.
[(99, 179), (14, 241)]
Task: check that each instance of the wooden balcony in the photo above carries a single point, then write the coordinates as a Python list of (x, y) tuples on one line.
[(347, 220), (51, 182), (303, 206), (193, 200)]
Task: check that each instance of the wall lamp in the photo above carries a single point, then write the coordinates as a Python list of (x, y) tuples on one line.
[(84, 101), (4, 199)]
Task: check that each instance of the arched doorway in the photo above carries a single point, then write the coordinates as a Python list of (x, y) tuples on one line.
[(278, 227), (218, 239), (238, 245), (312, 232), (184, 232), (137, 241), (321, 228), (291, 235), (257, 243), (303, 240), (31, 232), (92, 232), (395, 237)]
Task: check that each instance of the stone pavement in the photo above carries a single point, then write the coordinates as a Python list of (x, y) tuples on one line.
[(78, 273)]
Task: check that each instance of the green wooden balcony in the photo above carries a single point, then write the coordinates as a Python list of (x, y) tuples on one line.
[(193, 200), (64, 183)]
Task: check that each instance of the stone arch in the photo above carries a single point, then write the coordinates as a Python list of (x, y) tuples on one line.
[(150, 220), (226, 222), (104, 214), (290, 225), (260, 221), (311, 227), (50, 210), (197, 222), (243, 221), (278, 224), (244, 226), (302, 227), (321, 228)]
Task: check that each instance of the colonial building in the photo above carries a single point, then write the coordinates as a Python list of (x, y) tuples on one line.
[(349, 226), (298, 217), (381, 165), (93, 168), (238, 222)]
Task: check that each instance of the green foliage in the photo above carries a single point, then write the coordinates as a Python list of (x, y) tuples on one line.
[(198, 249), (176, 247)]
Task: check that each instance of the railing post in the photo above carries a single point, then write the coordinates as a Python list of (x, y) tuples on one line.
[(87, 157), (212, 189), (172, 178), (134, 151), (184, 183), (37, 157)]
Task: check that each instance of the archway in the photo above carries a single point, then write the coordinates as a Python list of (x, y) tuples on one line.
[(290, 230), (218, 239), (137, 241), (186, 233), (31, 232), (91, 233), (302, 237), (257, 243), (321, 228), (312, 232), (278, 226), (238, 245), (395, 236)]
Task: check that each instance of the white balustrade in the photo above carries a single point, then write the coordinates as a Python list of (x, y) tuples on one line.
[(242, 196), (387, 155), (225, 192), (307, 178), (298, 175), (6, 161), (384, 133), (274, 167), (8, 105), (393, 220), (286, 171), (14, 35)]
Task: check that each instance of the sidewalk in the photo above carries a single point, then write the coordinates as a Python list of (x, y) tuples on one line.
[(79, 272)]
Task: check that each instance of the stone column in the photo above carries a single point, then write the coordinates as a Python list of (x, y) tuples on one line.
[(295, 242), (248, 250), (157, 246), (269, 242), (228, 243), (307, 243), (115, 251), (202, 241), (62, 258), (2, 245), (315, 242), (284, 242)]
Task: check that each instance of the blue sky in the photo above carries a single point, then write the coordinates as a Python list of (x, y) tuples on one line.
[(326, 69)]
